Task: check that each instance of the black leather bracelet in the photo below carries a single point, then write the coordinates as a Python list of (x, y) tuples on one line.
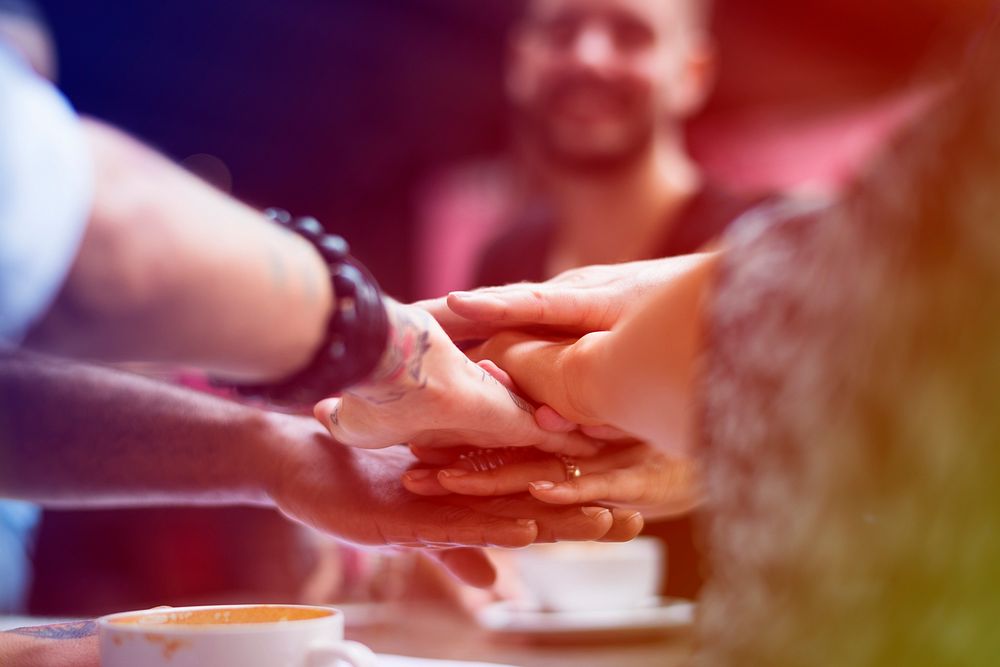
[(356, 335)]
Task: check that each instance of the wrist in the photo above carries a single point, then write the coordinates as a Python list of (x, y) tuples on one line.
[(317, 309), (407, 342), (587, 378), (260, 455), (356, 331), (274, 453), (652, 358)]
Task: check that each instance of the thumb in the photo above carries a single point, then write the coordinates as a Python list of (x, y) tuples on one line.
[(549, 371), (327, 412)]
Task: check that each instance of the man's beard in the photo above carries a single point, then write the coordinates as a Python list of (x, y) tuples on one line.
[(533, 125)]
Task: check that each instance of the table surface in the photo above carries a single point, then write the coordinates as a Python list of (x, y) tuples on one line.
[(443, 634), (425, 632)]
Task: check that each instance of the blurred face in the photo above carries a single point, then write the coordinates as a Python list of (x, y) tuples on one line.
[(594, 81)]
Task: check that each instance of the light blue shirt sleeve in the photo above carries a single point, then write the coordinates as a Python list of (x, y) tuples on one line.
[(18, 522), (46, 190)]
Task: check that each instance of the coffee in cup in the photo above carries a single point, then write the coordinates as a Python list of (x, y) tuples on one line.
[(229, 636)]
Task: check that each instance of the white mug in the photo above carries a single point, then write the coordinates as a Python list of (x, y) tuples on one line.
[(230, 636), (585, 576)]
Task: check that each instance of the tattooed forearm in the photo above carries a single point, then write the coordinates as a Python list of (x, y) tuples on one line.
[(63, 631)]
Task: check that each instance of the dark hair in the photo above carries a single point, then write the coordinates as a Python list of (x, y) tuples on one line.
[(851, 413), (701, 10)]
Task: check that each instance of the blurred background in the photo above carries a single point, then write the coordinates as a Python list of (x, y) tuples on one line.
[(371, 115)]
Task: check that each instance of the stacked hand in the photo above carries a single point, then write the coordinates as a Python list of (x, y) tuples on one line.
[(574, 303), (557, 342), (626, 474), (428, 393), (630, 476), (612, 349), (566, 344), (357, 495)]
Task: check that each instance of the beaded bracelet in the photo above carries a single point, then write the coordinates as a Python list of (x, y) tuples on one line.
[(356, 335)]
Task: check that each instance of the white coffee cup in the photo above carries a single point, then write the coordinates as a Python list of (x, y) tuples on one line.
[(230, 636), (584, 577)]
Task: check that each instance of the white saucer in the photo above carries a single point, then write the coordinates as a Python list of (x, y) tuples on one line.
[(511, 618)]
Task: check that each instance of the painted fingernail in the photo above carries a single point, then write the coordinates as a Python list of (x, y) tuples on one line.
[(453, 473), (419, 475), (595, 512), (542, 486)]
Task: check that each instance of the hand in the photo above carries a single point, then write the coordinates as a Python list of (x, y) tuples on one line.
[(640, 376), (357, 496), (574, 303), (65, 644), (631, 476), (427, 392), (559, 373)]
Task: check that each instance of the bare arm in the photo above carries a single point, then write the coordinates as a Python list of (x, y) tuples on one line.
[(76, 436), (172, 270), (66, 645), (646, 376)]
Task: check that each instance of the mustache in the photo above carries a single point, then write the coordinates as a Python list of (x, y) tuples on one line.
[(557, 90)]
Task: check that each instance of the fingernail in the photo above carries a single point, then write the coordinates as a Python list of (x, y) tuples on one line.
[(419, 475), (527, 523), (452, 473), (472, 297), (542, 486), (595, 512)]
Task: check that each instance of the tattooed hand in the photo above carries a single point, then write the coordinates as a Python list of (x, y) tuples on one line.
[(68, 644), (428, 393)]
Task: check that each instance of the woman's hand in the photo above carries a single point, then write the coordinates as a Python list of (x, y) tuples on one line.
[(639, 374), (631, 476), (357, 496), (428, 393), (574, 303)]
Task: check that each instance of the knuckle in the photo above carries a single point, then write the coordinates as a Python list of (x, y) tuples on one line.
[(452, 515)]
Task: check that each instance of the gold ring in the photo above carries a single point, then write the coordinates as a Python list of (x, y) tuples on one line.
[(572, 469)]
